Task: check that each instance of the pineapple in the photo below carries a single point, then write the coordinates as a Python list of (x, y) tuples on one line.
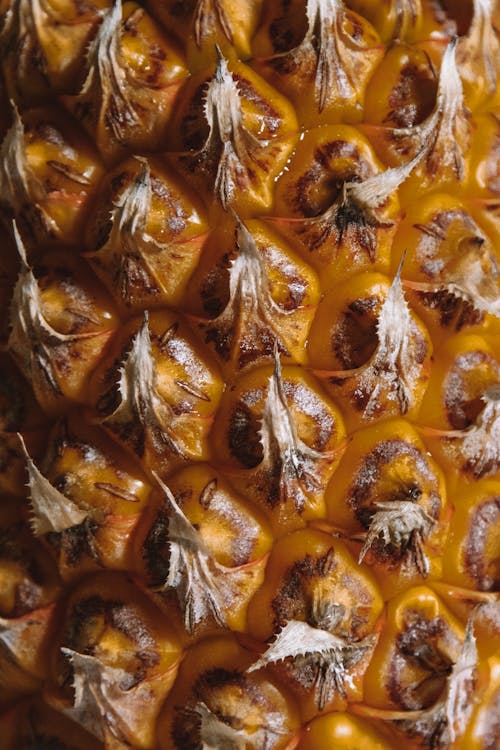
[(250, 374)]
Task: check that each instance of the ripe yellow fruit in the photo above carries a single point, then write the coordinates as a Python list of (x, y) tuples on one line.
[(250, 374)]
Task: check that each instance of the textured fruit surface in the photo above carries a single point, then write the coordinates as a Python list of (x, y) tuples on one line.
[(249, 374)]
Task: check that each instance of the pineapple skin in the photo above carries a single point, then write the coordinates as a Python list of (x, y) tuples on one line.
[(250, 375)]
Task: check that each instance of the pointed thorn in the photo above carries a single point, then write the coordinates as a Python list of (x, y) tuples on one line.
[(21, 249), (401, 264)]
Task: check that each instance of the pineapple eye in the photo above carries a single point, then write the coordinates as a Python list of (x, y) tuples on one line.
[(474, 550), (47, 176), (217, 702), (220, 515), (322, 667), (472, 452), (264, 293), (389, 496), (156, 392), (202, 543), (413, 662), (235, 134), (321, 610), (452, 272), (314, 415), (342, 205), (430, 665), (450, 717), (46, 46), (443, 139), (312, 577), (403, 89), (283, 438), (323, 61), (86, 502), (324, 160), (464, 370), (146, 235), (393, 379), (60, 324), (132, 78), (115, 661)]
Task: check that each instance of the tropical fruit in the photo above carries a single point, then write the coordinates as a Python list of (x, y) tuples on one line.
[(250, 375)]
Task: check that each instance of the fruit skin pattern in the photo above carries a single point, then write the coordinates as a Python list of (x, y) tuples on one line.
[(249, 374)]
